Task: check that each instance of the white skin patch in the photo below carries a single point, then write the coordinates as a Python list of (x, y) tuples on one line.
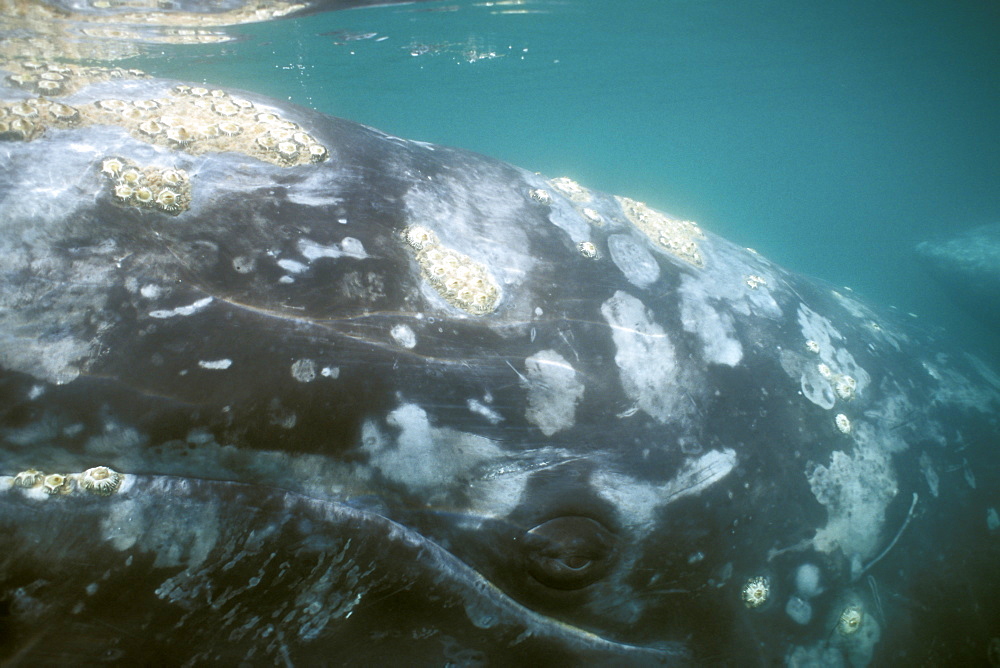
[(713, 327), (637, 501), (403, 336), (855, 490), (480, 408), (304, 370), (190, 309), (292, 266), (348, 247), (645, 356), (633, 260), (433, 460), (553, 391), (215, 365)]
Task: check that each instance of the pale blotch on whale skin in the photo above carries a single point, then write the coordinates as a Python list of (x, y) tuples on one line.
[(460, 280), (554, 391), (677, 237)]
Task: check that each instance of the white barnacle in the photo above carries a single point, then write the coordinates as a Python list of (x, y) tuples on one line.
[(229, 128), (845, 387), (824, 371), (756, 591), (101, 480), (419, 237), (317, 153), (812, 346), (56, 483), (541, 196), (28, 479), (143, 195), (850, 619), (112, 166), (168, 200), (123, 192), (843, 424), (587, 249)]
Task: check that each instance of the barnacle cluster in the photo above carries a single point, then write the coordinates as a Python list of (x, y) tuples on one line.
[(460, 280), (756, 591), (168, 190), (195, 120), (677, 237), (51, 79), (570, 189), (100, 480), (540, 195), (25, 120)]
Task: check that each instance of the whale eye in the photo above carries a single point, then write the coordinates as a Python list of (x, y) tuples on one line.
[(568, 552)]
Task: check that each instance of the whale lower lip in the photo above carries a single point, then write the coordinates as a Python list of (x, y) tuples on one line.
[(244, 572)]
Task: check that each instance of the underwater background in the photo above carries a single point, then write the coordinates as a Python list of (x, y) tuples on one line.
[(830, 137)]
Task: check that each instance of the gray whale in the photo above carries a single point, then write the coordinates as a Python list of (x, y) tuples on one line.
[(279, 387)]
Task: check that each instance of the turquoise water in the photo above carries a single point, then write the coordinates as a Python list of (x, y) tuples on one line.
[(831, 137)]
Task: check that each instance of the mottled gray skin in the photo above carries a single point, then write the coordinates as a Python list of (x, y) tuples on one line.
[(328, 461)]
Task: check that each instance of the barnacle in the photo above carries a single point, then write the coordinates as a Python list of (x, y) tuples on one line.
[(168, 200), (56, 483), (587, 249), (172, 177), (845, 386), (123, 192), (24, 109), (824, 370), (317, 153), (101, 480), (64, 112), (850, 619), (229, 128), (541, 196), (151, 128), (753, 281), (812, 346), (112, 166), (143, 195), (28, 479), (225, 108), (756, 591)]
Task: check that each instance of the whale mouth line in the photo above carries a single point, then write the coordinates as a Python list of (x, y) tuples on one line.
[(189, 536)]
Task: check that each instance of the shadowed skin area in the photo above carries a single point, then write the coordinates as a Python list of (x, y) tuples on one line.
[(375, 398)]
